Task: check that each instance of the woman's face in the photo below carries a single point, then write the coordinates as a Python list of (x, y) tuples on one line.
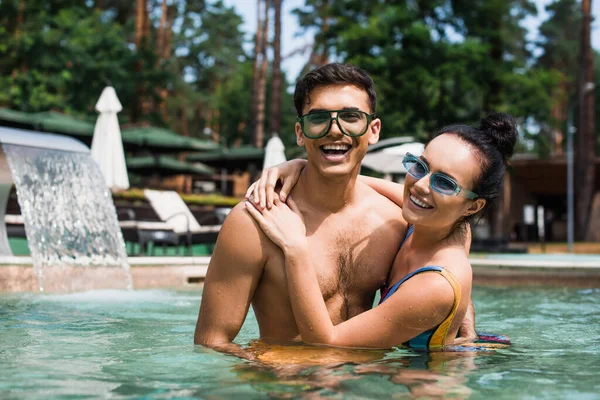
[(450, 155)]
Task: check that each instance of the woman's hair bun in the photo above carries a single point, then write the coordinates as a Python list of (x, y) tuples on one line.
[(502, 130)]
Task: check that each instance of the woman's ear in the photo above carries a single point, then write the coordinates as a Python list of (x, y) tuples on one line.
[(476, 206)]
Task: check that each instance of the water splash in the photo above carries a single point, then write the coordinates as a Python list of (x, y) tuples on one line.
[(69, 215)]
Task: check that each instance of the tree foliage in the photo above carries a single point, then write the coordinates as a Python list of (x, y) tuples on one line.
[(434, 62), (59, 55)]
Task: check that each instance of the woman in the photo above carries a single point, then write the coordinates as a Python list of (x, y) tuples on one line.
[(460, 171)]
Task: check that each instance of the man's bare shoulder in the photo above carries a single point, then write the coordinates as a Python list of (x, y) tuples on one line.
[(371, 199), (241, 237)]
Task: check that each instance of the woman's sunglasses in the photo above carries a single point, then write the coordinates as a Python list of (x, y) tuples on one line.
[(439, 182)]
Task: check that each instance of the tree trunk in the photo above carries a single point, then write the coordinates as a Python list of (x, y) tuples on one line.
[(184, 121), (586, 134), (560, 104), (318, 59), (19, 21), (275, 114), (255, 75), (141, 41), (493, 96), (262, 81), (163, 49), (160, 37), (141, 14)]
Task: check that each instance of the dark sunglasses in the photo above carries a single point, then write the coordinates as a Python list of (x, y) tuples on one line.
[(439, 182)]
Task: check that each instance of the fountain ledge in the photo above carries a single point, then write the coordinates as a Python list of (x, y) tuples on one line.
[(17, 274)]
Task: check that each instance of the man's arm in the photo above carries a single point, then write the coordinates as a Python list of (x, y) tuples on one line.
[(233, 275), (467, 329)]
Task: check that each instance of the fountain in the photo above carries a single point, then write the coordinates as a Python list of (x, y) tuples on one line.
[(68, 213)]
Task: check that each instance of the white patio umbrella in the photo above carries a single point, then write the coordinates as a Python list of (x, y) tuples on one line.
[(107, 145), (274, 152), (389, 160), (415, 148), (384, 163)]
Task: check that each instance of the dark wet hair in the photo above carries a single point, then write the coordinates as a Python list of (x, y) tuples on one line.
[(494, 142), (333, 74)]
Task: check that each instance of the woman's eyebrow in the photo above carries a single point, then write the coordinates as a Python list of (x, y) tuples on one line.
[(443, 173)]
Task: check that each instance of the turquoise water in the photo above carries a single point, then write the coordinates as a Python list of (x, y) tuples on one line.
[(122, 345)]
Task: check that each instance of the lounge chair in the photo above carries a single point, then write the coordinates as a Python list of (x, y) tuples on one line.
[(15, 225), (173, 211)]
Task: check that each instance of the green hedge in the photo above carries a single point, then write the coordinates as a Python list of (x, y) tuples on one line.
[(190, 199)]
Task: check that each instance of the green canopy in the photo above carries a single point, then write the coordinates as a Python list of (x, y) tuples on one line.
[(151, 138), (51, 121), (48, 121), (163, 139), (14, 116), (234, 153), (163, 165)]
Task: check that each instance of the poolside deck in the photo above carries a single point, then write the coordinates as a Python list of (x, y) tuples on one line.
[(557, 270)]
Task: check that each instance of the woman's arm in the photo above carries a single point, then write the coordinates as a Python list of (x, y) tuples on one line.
[(422, 303), (262, 192), (392, 190)]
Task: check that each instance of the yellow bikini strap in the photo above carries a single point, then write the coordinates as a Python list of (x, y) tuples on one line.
[(438, 339)]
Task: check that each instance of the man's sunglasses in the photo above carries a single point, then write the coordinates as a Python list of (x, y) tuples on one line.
[(352, 123), (439, 182)]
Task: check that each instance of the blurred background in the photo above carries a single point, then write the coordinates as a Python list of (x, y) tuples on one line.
[(205, 84)]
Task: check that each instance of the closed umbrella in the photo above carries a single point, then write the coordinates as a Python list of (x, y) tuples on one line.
[(107, 146), (274, 152)]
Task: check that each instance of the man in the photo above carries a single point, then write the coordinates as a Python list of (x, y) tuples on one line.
[(354, 232)]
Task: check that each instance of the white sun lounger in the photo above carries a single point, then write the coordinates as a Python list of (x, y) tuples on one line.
[(173, 211)]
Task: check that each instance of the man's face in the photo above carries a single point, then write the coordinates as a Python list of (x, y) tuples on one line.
[(336, 154)]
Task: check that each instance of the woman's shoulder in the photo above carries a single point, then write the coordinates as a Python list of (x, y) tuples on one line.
[(454, 259)]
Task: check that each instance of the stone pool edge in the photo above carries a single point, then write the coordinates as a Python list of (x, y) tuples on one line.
[(17, 275)]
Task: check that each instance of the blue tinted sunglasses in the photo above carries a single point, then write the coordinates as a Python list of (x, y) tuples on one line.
[(439, 182)]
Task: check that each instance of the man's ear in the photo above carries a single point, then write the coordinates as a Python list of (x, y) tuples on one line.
[(475, 207), (299, 135), (374, 129)]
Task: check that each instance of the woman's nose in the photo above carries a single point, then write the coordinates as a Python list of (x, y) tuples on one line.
[(422, 185)]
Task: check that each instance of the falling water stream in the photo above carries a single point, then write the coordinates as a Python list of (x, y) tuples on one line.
[(70, 219)]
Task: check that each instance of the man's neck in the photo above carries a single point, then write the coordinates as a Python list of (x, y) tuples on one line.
[(327, 194)]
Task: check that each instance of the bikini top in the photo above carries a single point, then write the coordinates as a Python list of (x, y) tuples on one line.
[(434, 338)]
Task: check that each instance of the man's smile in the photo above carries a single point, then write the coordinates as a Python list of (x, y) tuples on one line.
[(335, 151)]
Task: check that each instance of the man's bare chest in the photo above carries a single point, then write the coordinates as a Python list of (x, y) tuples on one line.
[(349, 257)]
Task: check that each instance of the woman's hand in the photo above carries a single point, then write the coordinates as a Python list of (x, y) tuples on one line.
[(283, 224), (262, 192)]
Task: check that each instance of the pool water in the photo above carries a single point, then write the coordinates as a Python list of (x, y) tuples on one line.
[(138, 344)]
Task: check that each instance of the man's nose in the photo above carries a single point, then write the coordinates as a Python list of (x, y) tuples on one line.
[(334, 129)]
